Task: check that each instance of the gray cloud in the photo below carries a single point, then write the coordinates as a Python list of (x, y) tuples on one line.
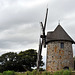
[(19, 22)]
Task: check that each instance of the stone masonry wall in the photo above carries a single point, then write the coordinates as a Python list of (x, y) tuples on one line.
[(57, 57)]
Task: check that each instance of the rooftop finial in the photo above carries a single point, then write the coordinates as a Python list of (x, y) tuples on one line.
[(59, 22)]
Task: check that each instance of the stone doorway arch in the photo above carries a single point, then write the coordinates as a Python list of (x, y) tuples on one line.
[(66, 67)]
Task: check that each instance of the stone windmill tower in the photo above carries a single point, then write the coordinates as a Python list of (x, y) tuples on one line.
[(59, 50)]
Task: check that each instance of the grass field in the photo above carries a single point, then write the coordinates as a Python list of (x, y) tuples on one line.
[(73, 73), (24, 73), (18, 73), (1, 74)]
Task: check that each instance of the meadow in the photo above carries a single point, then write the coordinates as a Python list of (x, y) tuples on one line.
[(34, 72)]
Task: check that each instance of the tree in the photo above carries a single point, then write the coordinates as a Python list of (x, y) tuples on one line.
[(23, 61), (8, 61), (29, 58)]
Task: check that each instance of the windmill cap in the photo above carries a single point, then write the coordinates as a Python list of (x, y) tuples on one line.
[(59, 34)]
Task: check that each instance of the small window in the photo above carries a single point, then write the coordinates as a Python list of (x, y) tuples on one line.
[(61, 45)]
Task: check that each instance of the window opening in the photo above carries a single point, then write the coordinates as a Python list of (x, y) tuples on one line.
[(61, 45)]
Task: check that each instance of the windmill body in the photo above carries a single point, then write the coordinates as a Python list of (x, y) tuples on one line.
[(59, 50)]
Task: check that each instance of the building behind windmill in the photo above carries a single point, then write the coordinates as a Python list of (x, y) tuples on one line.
[(59, 50)]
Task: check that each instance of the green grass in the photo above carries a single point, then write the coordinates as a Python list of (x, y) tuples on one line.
[(8, 73), (18, 73), (1, 74), (62, 72)]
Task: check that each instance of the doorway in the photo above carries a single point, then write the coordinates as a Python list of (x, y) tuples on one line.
[(66, 67)]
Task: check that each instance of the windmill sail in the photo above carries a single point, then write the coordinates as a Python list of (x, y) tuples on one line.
[(44, 27), (45, 19), (42, 41), (39, 54)]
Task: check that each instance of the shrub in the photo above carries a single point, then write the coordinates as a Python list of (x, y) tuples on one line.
[(66, 72), (45, 73), (0, 73), (8, 73), (27, 73), (61, 72), (38, 73), (48, 73), (56, 73), (34, 72)]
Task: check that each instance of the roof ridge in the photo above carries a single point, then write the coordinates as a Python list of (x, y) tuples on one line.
[(59, 34)]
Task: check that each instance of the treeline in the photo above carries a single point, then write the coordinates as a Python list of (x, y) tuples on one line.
[(23, 61)]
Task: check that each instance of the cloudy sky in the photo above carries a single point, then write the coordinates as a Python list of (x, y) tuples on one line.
[(19, 22)]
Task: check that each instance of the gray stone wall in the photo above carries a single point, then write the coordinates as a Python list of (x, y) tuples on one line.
[(57, 57)]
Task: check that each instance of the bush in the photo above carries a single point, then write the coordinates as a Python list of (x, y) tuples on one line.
[(8, 73), (34, 72), (27, 73), (48, 73), (45, 73), (0, 73), (56, 73), (61, 72), (38, 73), (66, 72)]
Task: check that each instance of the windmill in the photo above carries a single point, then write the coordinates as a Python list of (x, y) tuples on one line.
[(42, 41)]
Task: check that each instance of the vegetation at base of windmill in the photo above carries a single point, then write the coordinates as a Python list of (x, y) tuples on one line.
[(66, 72), (23, 61), (8, 73), (46, 73), (28, 73), (41, 73), (34, 72), (71, 70), (56, 73), (59, 72), (20, 73), (38, 73), (1, 74)]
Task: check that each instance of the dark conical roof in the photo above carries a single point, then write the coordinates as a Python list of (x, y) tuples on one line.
[(59, 34)]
